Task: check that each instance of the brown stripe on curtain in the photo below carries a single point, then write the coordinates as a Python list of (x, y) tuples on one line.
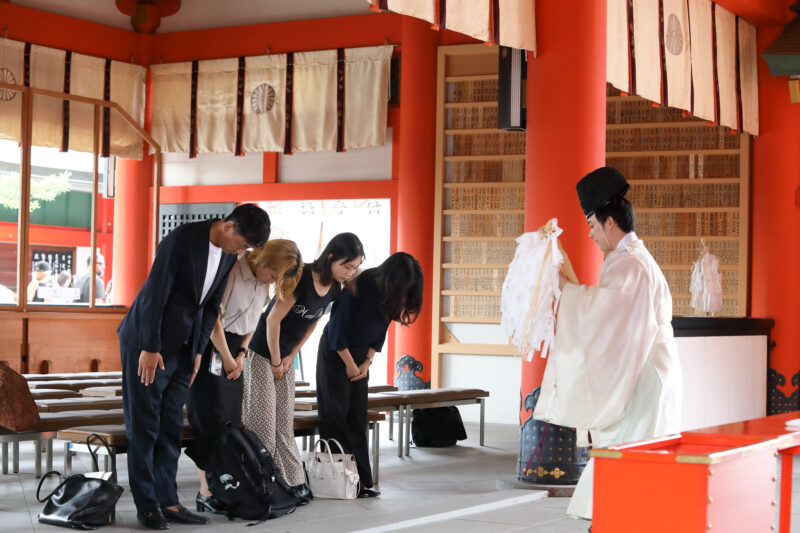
[(340, 99), (690, 111), (287, 136), (107, 110), (193, 113), (714, 60), (26, 77), (738, 82), (661, 55), (495, 27), (65, 103), (240, 106), (442, 22), (631, 53)]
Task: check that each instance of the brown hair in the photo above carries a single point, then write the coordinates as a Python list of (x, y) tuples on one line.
[(282, 257)]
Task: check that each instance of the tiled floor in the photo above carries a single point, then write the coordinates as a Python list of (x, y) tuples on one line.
[(458, 484)]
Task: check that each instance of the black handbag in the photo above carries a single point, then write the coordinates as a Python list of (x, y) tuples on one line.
[(80, 501)]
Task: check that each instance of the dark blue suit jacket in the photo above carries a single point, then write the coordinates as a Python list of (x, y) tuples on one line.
[(168, 312)]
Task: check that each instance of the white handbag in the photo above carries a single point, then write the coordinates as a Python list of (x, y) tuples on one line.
[(332, 475)]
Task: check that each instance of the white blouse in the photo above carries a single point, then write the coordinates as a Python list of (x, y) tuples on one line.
[(243, 300)]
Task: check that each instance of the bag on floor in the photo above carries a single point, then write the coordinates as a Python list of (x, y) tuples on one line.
[(242, 474), (81, 501), (332, 475), (437, 427)]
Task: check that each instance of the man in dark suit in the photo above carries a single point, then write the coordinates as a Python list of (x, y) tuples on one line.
[(161, 341)]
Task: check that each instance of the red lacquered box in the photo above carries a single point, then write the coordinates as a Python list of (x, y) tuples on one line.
[(686, 484)]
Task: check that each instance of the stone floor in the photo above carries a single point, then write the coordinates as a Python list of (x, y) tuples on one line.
[(461, 490)]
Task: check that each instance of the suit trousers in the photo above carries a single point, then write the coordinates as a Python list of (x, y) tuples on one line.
[(153, 425), (342, 405)]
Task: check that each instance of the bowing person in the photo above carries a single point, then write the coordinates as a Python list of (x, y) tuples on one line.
[(355, 332), (282, 329), (161, 340), (215, 398)]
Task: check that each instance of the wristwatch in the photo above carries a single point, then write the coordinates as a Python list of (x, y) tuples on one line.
[(241, 349)]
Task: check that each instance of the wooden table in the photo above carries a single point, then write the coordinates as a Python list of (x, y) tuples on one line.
[(787, 443)]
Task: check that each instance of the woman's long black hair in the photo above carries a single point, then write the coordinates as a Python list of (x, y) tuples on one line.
[(399, 285), (345, 246)]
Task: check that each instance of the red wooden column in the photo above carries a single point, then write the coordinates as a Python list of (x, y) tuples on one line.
[(775, 241), (415, 174), (131, 228), (565, 139)]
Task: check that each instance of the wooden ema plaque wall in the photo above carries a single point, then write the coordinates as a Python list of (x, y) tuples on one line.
[(480, 195), (689, 181)]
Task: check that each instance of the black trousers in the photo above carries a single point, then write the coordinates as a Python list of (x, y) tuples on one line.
[(213, 402), (342, 405), (153, 425)]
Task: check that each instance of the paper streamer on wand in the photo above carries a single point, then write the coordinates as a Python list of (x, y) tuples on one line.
[(531, 292)]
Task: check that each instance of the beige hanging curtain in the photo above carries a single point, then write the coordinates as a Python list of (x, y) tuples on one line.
[(693, 65), (314, 102), (172, 106), (264, 104), (47, 72), (12, 70), (216, 106), (127, 90), (421, 9), (473, 18), (677, 58), (702, 59), (725, 23), (647, 52), (617, 46), (748, 76), (505, 22), (366, 96), (87, 78)]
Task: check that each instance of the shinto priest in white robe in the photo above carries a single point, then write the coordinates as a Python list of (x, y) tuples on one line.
[(614, 370)]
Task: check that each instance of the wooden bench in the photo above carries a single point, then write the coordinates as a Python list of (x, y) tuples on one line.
[(425, 398), (73, 384), (78, 404), (73, 375), (308, 392), (405, 401), (105, 392), (46, 431), (376, 401), (306, 424), (53, 394)]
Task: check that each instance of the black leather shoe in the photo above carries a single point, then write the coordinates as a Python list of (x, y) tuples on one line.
[(303, 493), (183, 516), (368, 493), (210, 504), (153, 519)]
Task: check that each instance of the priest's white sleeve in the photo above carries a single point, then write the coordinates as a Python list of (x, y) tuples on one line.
[(603, 337)]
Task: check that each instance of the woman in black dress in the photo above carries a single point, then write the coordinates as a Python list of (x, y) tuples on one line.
[(355, 332), (268, 408), (215, 397)]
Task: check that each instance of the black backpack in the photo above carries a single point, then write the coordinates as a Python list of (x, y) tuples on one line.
[(437, 427), (241, 473)]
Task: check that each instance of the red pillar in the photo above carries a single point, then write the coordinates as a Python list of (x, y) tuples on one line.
[(566, 124), (775, 252), (131, 228), (415, 187)]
